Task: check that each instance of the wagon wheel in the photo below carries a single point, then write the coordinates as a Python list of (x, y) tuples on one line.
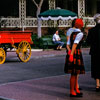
[(2, 56), (24, 51)]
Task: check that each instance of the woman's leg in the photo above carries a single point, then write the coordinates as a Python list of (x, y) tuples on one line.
[(72, 85), (97, 83), (76, 84)]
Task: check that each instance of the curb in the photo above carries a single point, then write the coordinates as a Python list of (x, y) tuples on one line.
[(12, 50), (36, 49)]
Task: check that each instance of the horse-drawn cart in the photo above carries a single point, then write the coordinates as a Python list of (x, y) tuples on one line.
[(20, 40)]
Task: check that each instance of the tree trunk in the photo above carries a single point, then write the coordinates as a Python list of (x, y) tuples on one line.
[(39, 28), (38, 19), (39, 23)]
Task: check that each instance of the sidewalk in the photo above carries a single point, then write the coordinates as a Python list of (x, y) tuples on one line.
[(49, 88)]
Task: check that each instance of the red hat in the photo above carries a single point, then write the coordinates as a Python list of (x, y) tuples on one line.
[(79, 23)]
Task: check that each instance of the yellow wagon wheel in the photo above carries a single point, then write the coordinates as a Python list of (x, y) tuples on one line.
[(24, 51), (2, 56)]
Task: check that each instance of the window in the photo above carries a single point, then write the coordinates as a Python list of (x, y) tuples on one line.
[(98, 6), (45, 6), (9, 8), (92, 7), (31, 7), (71, 5)]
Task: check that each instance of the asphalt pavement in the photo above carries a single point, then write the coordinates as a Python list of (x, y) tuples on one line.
[(50, 88)]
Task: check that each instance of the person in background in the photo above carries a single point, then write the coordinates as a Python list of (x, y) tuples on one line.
[(57, 40), (93, 39), (74, 60)]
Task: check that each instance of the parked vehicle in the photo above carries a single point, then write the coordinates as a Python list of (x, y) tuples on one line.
[(20, 40)]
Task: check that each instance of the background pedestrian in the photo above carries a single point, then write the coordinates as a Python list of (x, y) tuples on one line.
[(93, 39)]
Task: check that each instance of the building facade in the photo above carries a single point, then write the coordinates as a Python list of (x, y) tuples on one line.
[(22, 13)]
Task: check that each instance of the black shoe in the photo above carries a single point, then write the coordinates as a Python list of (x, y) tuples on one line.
[(97, 89), (72, 95), (80, 93), (80, 88)]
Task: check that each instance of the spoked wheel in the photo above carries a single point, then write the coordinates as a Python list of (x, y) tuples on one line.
[(2, 56), (24, 51)]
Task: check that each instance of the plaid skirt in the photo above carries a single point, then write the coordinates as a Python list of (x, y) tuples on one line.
[(77, 66)]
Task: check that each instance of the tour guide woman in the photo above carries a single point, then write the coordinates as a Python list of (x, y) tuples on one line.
[(74, 61), (93, 39)]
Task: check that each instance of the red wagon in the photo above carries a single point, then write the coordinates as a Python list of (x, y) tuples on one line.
[(20, 40)]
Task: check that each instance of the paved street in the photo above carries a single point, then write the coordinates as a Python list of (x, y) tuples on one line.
[(42, 78), (14, 70), (42, 64)]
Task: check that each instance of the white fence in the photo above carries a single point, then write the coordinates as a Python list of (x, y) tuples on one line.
[(32, 22)]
